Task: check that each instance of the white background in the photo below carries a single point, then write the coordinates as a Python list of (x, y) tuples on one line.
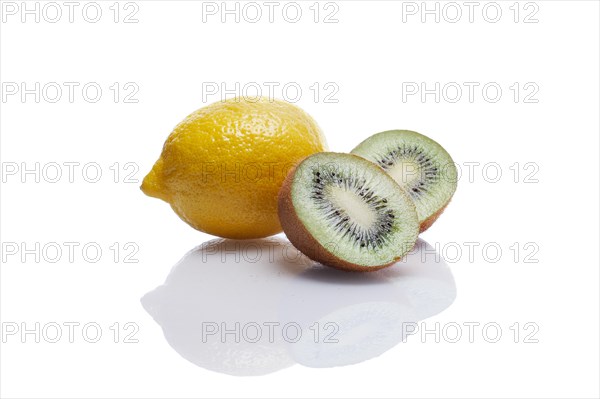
[(368, 55)]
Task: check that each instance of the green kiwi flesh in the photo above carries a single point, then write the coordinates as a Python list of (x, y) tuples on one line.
[(419, 165), (344, 211)]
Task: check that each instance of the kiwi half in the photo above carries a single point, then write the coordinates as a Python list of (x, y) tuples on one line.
[(344, 211), (419, 165)]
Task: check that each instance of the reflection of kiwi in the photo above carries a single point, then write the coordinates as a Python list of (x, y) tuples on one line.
[(349, 318), (345, 319), (343, 211), (419, 165)]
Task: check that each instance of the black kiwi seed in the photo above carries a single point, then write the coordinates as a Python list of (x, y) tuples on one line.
[(429, 171), (373, 237)]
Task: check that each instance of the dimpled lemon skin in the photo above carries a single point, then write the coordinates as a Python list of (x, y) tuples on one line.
[(222, 167)]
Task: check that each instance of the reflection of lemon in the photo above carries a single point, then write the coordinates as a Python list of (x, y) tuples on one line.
[(222, 166)]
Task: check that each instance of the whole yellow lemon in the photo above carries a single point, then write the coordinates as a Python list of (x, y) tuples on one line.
[(222, 167)]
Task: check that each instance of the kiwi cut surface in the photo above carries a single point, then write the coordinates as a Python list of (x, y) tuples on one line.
[(344, 211), (419, 165)]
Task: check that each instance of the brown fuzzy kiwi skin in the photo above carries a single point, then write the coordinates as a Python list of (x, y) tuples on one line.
[(304, 241), (425, 224)]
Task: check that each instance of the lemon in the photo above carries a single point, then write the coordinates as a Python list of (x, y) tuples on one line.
[(222, 167)]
